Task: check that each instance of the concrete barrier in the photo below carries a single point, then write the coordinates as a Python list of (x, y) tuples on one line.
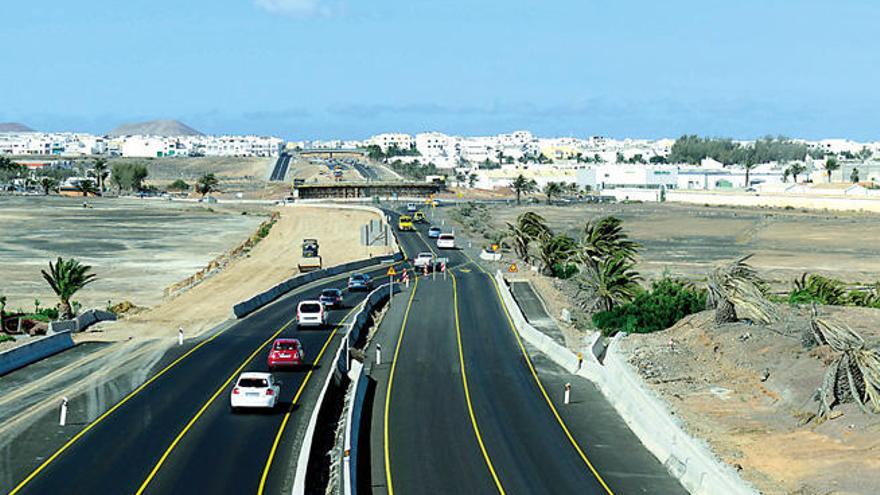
[(688, 459), (340, 365), (82, 321), (256, 302), (33, 351)]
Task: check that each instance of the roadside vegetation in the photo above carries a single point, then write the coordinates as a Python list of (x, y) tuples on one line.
[(414, 170), (692, 149)]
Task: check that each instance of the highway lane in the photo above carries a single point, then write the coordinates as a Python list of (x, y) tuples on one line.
[(431, 445), (117, 454), (280, 169)]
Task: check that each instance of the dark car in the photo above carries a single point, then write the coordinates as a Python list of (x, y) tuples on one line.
[(331, 298)]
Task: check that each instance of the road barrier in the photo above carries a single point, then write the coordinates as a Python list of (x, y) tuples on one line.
[(33, 351), (688, 459), (256, 302), (356, 333), (82, 321)]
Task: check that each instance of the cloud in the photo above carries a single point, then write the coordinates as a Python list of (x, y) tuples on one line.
[(295, 8)]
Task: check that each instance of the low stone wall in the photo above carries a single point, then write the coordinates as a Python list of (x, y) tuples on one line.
[(33, 351), (804, 201), (82, 321), (689, 459)]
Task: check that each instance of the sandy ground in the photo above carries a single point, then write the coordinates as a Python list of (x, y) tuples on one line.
[(688, 240), (272, 261), (156, 243)]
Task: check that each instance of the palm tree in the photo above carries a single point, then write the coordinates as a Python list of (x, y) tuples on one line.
[(748, 165), (48, 183), (831, 165), (555, 250), (609, 282), (604, 238), (529, 226), (854, 175), (99, 171), (207, 184), (86, 187), (66, 277), (552, 189), (796, 169), (854, 375), (460, 178), (734, 286), (522, 185), (472, 179)]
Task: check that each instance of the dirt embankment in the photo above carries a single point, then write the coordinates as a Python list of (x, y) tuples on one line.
[(270, 262), (749, 391)]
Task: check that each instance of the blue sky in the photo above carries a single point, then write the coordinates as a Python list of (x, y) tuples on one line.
[(306, 69)]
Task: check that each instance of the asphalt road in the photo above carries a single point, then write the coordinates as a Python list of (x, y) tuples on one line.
[(280, 169), (176, 435), (497, 431)]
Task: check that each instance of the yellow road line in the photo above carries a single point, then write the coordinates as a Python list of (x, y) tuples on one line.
[(110, 411), (540, 384), (467, 394), (302, 387), (204, 407), (391, 383)]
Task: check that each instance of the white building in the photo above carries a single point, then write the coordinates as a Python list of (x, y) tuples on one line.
[(616, 176), (391, 140)]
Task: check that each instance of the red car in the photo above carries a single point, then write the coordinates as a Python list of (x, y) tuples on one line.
[(285, 352)]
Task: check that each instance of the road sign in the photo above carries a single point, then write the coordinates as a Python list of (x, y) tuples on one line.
[(513, 268), (494, 247), (391, 271)]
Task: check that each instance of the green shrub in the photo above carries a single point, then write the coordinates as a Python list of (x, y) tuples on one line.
[(564, 271), (817, 289), (5, 338), (668, 301)]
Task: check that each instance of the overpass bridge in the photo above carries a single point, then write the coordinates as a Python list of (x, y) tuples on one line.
[(367, 189)]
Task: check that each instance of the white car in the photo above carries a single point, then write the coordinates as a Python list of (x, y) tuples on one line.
[(411, 207), (255, 390), (310, 314), (424, 259), (446, 241)]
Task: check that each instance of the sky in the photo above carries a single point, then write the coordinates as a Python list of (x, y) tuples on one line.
[(319, 69)]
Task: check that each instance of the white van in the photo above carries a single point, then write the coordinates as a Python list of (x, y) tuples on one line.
[(310, 314)]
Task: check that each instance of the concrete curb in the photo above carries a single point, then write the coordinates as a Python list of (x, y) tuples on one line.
[(688, 459), (33, 351)]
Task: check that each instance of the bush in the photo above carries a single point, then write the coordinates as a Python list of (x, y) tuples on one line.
[(668, 301), (564, 271), (6, 338), (179, 185)]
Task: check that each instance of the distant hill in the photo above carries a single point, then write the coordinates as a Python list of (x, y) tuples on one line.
[(155, 128), (14, 127)]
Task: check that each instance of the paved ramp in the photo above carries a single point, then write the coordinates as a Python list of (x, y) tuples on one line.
[(534, 310)]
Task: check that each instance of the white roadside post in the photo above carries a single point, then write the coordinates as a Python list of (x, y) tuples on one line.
[(567, 393), (63, 419), (378, 354), (180, 336)]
